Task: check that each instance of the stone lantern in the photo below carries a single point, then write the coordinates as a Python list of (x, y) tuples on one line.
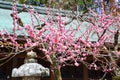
[(30, 70)]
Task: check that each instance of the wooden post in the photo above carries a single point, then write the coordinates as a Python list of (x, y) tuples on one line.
[(8, 69), (85, 73), (14, 64)]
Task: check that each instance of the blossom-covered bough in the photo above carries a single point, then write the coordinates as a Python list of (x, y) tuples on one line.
[(66, 41)]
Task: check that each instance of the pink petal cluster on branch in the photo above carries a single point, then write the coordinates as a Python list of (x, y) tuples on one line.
[(62, 42)]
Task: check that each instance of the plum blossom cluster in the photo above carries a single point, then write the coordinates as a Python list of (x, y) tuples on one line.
[(60, 41)]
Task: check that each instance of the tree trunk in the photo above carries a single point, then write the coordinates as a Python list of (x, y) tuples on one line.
[(56, 68), (57, 73)]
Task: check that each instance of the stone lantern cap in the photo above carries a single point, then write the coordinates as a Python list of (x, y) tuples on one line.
[(30, 68)]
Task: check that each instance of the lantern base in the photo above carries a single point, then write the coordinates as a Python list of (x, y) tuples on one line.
[(30, 78)]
